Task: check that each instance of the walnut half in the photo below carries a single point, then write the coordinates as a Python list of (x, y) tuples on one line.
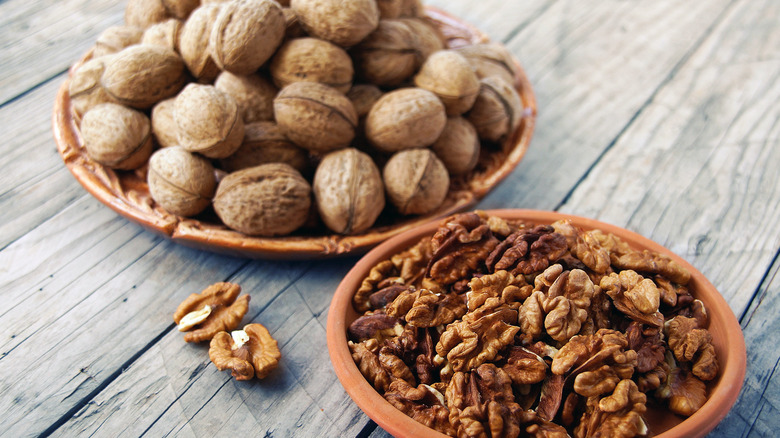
[(214, 310), (251, 352)]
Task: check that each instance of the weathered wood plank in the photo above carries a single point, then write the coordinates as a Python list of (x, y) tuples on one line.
[(498, 19), (697, 170), (593, 66), (58, 32)]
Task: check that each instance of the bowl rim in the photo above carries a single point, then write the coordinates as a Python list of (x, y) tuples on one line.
[(127, 195), (721, 398)]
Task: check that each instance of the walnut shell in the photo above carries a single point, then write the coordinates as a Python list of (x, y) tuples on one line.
[(264, 143), (363, 97), (140, 76), (490, 59), (165, 34), (268, 200), (388, 56), (194, 42), (416, 181), (314, 116), (497, 110), (312, 60), (405, 118), (348, 190), (427, 39), (449, 75), (117, 136), (292, 24), (458, 146), (208, 121), (253, 93), (145, 13), (181, 182), (246, 34), (115, 38), (163, 125), (84, 87), (343, 23)]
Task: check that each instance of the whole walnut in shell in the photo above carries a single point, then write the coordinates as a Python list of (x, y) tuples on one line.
[(426, 38), (343, 23), (312, 60), (115, 38), (405, 118), (246, 34), (458, 146), (163, 125), (266, 200), (144, 13), (181, 182), (265, 143), (490, 59), (194, 42), (449, 75), (363, 97), (253, 93), (140, 76), (497, 110), (84, 87), (208, 121), (388, 56), (164, 33), (348, 190), (316, 117), (117, 136), (416, 181)]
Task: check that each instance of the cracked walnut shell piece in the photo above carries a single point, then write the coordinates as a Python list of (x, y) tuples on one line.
[(214, 310), (250, 352)]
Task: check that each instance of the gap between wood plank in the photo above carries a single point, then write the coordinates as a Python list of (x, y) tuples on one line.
[(672, 73), (519, 28), (24, 93)]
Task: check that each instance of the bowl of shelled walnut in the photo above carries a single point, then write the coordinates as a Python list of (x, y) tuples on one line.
[(511, 323), (284, 130)]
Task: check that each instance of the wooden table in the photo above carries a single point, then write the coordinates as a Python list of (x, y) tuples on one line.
[(658, 116)]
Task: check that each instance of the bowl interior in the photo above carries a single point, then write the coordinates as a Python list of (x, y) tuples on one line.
[(726, 333)]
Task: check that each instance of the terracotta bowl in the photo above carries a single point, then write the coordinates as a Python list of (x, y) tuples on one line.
[(128, 194), (726, 333)]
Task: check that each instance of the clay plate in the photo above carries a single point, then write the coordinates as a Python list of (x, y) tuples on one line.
[(726, 334), (127, 192)]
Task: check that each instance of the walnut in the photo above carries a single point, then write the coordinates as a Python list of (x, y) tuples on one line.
[(293, 28), (377, 326), (115, 38), (624, 257), (181, 182), (368, 286), (163, 125), (84, 87), (497, 110), (315, 116), (141, 75), (363, 97), (264, 143), (216, 309), (648, 344), (251, 352), (511, 290), (447, 74), (423, 308), (690, 343), (635, 296), (490, 59), (458, 146), (426, 39), (369, 365), (194, 42), (422, 403), (312, 60), (253, 93), (683, 391), (245, 34), (469, 343), (268, 200), (584, 245), (387, 57), (596, 382), (567, 303), (349, 191), (617, 415), (416, 181), (525, 367), (208, 121), (588, 352), (459, 246), (145, 13), (381, 298), (335, 21), (164, 34), (405, 118), (117, 136), (527, 250)]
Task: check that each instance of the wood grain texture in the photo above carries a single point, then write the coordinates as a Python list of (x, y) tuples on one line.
[(499, 19), (58, 32)]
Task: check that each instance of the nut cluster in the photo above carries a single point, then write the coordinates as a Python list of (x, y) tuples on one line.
[(504, 329), (304, 100)]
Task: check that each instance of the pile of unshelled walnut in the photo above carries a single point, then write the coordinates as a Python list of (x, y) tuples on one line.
[(276, 113), (495, 328)]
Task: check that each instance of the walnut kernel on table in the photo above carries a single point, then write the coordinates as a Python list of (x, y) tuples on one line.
[(217, 308), (507, 333), (250, 352)]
